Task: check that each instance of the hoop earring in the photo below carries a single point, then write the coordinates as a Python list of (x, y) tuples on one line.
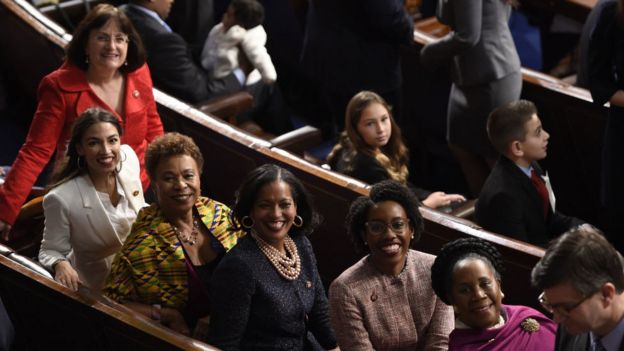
[(120, 163), (78, 164), (298, 221), (245, 222)]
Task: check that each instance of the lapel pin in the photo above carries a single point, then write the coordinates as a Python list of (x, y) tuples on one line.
[(135, 93), (135, 193), (308, 284)]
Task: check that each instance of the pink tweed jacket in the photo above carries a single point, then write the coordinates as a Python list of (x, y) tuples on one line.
[(370, 310)]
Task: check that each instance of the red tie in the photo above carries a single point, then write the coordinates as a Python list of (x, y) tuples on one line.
[(541, 190)]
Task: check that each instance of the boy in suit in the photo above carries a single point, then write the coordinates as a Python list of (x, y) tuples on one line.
[(582, 280), (517, 200)]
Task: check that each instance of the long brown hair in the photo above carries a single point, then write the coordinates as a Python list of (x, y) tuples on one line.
[(394, 156), (70, 166)]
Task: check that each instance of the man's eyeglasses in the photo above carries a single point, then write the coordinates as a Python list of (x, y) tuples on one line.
[(563, 309), (398, 226)]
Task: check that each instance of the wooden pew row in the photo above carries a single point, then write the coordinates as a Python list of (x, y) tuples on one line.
[(575, 124), (47, 315)]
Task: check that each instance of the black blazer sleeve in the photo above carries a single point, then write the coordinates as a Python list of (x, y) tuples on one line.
[(175, 72), (502, 214)]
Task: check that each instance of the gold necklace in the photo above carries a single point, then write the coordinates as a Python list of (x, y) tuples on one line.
[(287, 267), (191, 238)]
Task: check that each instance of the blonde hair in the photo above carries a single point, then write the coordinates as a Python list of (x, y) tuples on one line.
[(393, 156)]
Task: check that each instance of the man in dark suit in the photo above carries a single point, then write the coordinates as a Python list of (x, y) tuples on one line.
[(169, 59), (175, 72), (517, 199), (582, 278)]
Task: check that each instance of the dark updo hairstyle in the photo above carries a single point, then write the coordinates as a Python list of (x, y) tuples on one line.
[(168, 145), (387, 190), (95, 19), (69, 167), (455, 251), (267, 174)]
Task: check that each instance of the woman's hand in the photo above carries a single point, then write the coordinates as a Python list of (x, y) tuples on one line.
[(439, 199), (5, 229), (65, 274), (173, 319), (201, 329)]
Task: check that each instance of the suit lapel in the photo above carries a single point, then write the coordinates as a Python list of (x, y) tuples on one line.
[(95, 212), (130, 181)]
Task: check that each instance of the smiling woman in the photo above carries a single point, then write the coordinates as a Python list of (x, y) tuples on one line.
[(267, 293), (385, 301), (194, 231), (94, 198), (467, 275), (105, 68)]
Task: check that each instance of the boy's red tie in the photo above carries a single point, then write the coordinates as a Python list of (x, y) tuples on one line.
[(541, 190)]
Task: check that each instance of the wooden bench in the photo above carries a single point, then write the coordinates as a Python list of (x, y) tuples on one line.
[(47, 315)]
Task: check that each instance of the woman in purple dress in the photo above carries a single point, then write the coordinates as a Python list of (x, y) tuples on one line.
[(466, 275)]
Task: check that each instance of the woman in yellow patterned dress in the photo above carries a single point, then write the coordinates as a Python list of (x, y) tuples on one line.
[(165, 265)]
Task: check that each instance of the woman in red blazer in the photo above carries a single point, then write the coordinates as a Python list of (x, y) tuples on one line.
[(105, 68)]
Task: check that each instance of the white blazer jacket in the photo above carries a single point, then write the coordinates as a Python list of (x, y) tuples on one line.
[(77, 227)]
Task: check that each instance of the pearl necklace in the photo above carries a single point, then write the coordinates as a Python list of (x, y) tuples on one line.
[(287, 267), (191, 238)]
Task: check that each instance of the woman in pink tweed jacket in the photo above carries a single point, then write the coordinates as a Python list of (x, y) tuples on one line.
[(385, 301)]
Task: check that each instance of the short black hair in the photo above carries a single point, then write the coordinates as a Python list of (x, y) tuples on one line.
[(248, 13), (507, 123), (269, 173), (582, 257), (455, 251), (387, 190)]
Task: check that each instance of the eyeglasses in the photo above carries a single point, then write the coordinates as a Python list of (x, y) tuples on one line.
[(563, 309), (117, 38), (398, 226)]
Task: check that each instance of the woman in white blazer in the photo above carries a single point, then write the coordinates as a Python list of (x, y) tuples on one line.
[(94, 198)]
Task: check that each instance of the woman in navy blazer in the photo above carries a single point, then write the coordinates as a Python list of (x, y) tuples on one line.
[(266, 293)]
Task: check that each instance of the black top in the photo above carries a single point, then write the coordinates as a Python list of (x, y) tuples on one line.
[(255, 308), (367, 169)]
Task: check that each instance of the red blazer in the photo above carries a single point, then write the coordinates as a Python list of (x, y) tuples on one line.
[(63, 95)]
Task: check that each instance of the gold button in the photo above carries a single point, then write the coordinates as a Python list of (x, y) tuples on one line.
[(135, 193), (135, 93)]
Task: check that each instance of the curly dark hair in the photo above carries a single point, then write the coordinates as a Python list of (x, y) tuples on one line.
[(269, 173), (387, 190), (171, 144), (457, 250)]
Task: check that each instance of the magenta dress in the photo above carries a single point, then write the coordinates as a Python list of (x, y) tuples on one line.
[(520, 332)]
